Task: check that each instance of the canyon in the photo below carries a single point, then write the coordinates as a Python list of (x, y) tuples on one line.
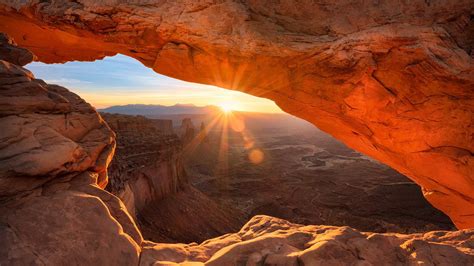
[(165, 180), (148, 176), (396, 84), (391, 80), (305, 177)]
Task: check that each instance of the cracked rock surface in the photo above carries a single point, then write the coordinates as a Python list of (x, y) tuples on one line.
[(55, 212), (392, 80), (54, 154), (47, 131), (266, 240)]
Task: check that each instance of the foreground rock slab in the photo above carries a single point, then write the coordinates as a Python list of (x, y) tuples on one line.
[(394, 80), (266, 240), (68, 223)]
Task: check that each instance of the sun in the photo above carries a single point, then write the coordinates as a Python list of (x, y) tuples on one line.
[(227, 107)]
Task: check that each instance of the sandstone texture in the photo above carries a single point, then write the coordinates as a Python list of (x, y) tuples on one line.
[(265, 240), (54, 154), (394, 80), (147, 164), (147, 174), (55, 212), (47, 131)]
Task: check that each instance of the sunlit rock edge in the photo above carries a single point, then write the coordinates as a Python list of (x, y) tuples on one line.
[(392, 80)]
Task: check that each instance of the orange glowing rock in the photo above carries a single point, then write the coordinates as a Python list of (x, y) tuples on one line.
[(392, 80)]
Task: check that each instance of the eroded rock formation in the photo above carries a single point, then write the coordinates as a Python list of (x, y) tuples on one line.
[(165, 126), (147, 174), (147, 165), (266, 240), (394, 80), (187, 131), (63, 216), (54, 155), (47, 131)]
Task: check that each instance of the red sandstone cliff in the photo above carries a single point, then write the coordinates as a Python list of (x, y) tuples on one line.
[(54, 155), (54, 211), (147, 165), (147, 174), (394, 80)]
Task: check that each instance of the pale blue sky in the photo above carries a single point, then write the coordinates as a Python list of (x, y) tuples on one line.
[(122, 80)]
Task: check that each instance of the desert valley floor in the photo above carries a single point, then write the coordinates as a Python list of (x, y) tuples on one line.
[(84, 184), (309, 178)]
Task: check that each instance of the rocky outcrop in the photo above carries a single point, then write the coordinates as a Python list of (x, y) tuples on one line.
[(147, 164), (147, 174), (54, 155), (10, 52), (187, 131), (63, 216), (266, 240), (392, 80), (48, 132), (165, 126), (203, 134), (68, 222)]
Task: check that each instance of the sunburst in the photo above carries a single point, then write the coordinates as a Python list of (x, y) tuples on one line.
[(228, 107)]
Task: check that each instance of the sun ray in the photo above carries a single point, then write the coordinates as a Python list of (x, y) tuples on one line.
[(194, 143), (222, 166), (229, 106)]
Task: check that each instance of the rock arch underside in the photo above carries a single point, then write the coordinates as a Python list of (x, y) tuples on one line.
[(391, 79)]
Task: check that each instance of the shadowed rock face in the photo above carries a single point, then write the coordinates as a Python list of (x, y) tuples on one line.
[(47, 131), (147, 163), (392, 80), (63, 216), (147, 175), (54, 154), (187, 131)]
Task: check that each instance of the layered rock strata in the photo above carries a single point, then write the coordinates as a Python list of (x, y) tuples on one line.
[(47, 131), (266, 240), (147, 165), (63, 216), (54, 154), (394, 80), (147, 174)]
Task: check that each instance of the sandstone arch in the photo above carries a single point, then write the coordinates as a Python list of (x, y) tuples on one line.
[(392, 80)]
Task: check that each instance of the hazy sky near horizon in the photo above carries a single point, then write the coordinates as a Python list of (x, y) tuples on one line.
[(121, 80)]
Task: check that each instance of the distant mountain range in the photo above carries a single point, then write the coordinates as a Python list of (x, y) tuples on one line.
[(159, 110), (205, 114)]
